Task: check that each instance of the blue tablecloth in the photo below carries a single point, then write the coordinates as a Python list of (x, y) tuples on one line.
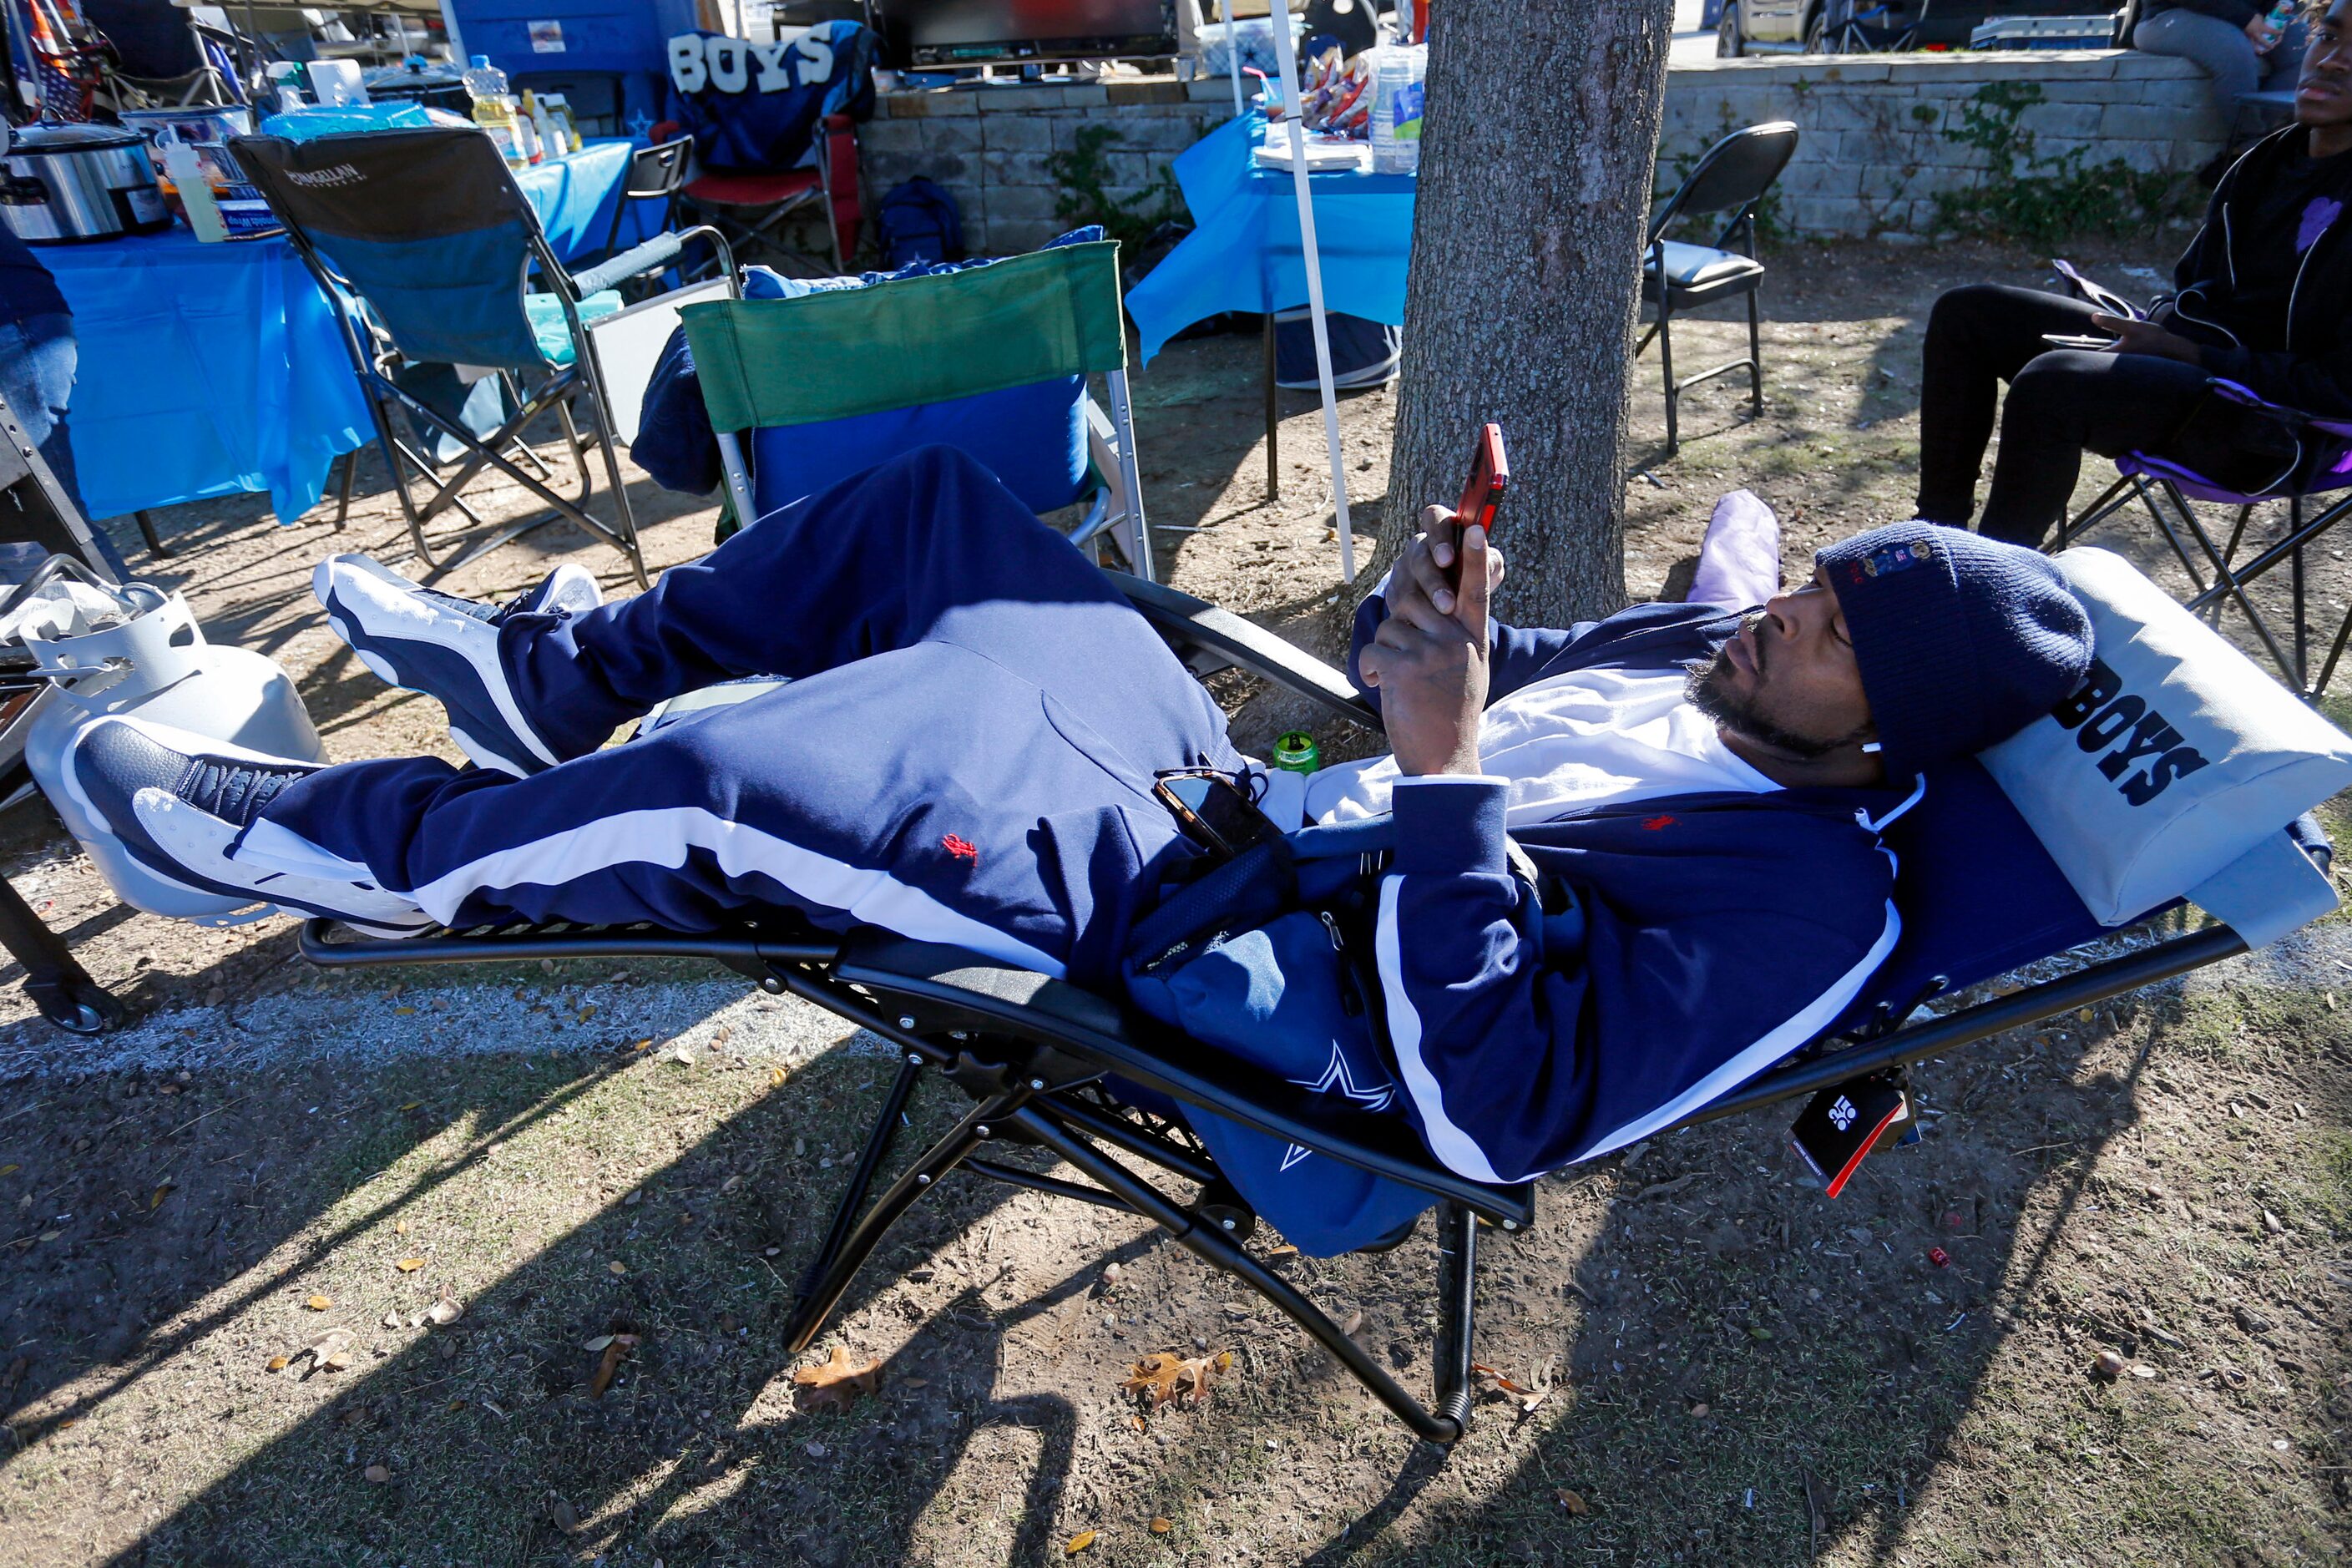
[(1243, 252), (207, 370)]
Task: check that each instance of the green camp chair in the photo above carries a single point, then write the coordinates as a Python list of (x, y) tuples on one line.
[(992, 360)]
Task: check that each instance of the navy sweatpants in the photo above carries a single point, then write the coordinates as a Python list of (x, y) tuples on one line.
[(965, 753)]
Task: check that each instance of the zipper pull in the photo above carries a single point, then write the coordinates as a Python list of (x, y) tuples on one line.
[(1351, 993)]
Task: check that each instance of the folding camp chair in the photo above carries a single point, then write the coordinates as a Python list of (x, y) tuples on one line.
[(1063, 1072), (751, 207), (424, 236), (990, 359), (2313, 459), (1732, 176)]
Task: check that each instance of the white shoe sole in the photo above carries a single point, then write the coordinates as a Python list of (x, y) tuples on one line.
[(200, 844)]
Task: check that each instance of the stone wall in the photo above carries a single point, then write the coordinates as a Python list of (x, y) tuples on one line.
[(989, 145), (1872, 148), (1871, 155)]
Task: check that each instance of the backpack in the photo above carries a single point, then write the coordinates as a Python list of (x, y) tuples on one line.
[(917, 221)]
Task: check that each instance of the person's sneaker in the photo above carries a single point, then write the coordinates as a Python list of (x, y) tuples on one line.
[(177, 802), (447, 647)]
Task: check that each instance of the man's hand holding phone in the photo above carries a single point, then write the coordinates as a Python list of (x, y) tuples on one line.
[(1429, 656)]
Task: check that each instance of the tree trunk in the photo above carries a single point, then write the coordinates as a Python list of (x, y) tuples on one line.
[(1540, 135)]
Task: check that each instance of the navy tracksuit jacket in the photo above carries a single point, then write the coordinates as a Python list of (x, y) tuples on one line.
[(965, 754)]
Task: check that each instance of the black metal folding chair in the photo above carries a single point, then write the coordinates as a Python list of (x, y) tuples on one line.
[(1732, 176), (431, 247), (1061, 1072)]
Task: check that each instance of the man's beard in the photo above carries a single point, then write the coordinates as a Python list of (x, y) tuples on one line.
[(1707, 691)]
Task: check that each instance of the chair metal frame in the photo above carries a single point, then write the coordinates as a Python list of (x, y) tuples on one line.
[(1660, 291), (375, 358), (1055, 1070), (2158, 487)]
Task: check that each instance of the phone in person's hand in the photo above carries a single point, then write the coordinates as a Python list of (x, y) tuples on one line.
[(1482, 497), (1213, 812), (2078, 341)]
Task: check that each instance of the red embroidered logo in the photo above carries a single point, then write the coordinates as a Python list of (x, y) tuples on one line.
[(962, 848), (1654, 823)]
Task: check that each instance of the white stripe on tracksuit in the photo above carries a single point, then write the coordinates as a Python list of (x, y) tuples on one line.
[(1462, 1153), (662, 837)]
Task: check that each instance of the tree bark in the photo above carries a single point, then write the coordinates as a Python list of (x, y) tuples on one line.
[(1539, 137)]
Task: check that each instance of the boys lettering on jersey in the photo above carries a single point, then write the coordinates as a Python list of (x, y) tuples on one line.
[(2103, 715), (697, 62)]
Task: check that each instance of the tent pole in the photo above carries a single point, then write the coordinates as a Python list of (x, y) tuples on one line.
[(1233, 54), (1287, 55), (457, 55)]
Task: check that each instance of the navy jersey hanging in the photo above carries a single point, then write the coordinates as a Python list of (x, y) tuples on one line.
[(754, 108)]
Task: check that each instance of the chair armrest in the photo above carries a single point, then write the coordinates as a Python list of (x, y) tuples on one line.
[(1195, 625), (950, 986), (651, 256)]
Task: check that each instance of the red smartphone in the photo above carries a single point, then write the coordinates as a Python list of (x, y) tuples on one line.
[(1482, 498)]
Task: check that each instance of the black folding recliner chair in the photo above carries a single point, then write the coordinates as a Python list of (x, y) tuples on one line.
[(1053, 1069), (424, 237), (1732, 176)]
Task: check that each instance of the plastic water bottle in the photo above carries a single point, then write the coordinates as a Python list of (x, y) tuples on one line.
[(494, 110), (1397, 73)]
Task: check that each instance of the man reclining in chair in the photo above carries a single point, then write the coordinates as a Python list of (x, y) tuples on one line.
[(967, 747)]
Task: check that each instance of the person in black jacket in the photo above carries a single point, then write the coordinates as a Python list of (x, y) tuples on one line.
[(2260, 299)]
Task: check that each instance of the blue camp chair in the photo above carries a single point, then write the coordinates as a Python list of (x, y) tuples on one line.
[(424, 236), (2016, 860), (990, 359)]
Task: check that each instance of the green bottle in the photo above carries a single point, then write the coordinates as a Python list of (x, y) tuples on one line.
[(1297, 752)]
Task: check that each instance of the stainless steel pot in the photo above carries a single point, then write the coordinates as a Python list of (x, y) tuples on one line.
[(98, 180)]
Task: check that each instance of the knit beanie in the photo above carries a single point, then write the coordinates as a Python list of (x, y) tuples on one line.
[(1962, 639)]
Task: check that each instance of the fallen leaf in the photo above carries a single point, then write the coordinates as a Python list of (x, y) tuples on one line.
[(155, 1200), (1160, 1527), (409, 1265), (1078, 1543), (567, 1519), (377, 1473), (729, 1184), (1155, 1377), (839, 1380), (455, 1405), (404, 1012), (598, 1343), (1574, 1502), (2109, 1363), (446, 1311), (10, 1170), (1141, 1423), (640, 1045), (633, 1199), (775, 1078), (400, 1228), (412, 1105), (317, 1303), (1525, 1398), (1284, 1250), (338, 1362), (584, 1014), (615, 1347), (616, 1267), (280, 1363)]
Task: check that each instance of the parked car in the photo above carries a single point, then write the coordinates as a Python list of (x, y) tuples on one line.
[(1862, 26)]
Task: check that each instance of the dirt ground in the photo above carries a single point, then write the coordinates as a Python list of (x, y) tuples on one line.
[(1734, 1368)]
